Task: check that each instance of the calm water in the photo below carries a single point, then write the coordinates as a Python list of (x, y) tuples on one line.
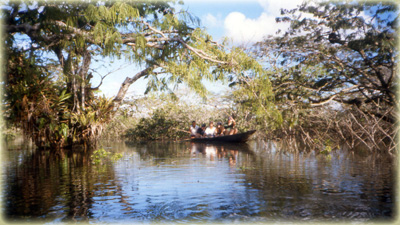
[(189, 183)]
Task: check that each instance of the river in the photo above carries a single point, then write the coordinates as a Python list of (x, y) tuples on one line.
[(196, 183)]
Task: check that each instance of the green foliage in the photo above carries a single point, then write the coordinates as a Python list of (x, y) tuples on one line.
[(245, 168), (100, 156), (42, 109), (169, 120), (89, 124), (255, 96), (35, 104), (116, 128), (327, 147), (158, 127)]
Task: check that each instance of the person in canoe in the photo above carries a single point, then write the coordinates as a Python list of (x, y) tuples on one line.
[(201, 131), (231, 127), (193, 129), (211, 130), (220, 130)]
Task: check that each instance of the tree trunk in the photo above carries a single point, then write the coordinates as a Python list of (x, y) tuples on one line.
[(83, 72)]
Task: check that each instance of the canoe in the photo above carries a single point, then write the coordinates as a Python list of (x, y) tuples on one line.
[(242, 137)]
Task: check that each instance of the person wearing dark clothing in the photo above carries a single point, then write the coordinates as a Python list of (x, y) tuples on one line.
[(201, 131), (220, 129)]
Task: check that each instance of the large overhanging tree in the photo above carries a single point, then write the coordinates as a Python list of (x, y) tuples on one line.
[(340, 54), (48, 88), (344, 52)]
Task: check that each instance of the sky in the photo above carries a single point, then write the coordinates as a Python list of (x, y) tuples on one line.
[(244, 22)]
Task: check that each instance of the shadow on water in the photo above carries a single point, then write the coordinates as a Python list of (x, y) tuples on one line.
[(187, 182)]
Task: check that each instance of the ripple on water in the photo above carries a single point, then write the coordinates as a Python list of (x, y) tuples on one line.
[(170, 184)]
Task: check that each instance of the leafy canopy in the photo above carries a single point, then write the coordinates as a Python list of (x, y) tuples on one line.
[(61, 40)]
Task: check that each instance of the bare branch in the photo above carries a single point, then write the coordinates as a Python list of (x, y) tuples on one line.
[(127, 83), (104, 76), (332, 97)]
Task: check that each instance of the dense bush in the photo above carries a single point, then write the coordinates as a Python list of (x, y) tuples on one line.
[(161, 117), (157, 127)]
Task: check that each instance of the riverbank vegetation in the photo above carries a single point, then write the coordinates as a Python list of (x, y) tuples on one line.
[(330, 79)]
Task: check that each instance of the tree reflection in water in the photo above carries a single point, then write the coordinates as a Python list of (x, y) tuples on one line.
[(339, 186), (46, 182)]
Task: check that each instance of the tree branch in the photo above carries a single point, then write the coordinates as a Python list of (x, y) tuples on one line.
[(127, 83), (330, 98), (164, 38)]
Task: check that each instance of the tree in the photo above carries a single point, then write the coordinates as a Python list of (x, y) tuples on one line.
[(344, 52), (65, 37), (335, 55)]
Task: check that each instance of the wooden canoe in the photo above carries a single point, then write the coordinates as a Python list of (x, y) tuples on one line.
[(242, 137)]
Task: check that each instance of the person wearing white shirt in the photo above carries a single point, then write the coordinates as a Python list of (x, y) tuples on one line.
[(211, 130), (193, 129)]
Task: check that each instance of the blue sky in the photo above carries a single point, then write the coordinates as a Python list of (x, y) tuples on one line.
[(244, 22)]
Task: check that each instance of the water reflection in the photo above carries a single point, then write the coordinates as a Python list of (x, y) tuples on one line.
[(219, 151), (188, 182), (45, 183), (335, 187)]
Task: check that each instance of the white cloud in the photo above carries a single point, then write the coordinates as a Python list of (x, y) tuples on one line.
[(243, 30)]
